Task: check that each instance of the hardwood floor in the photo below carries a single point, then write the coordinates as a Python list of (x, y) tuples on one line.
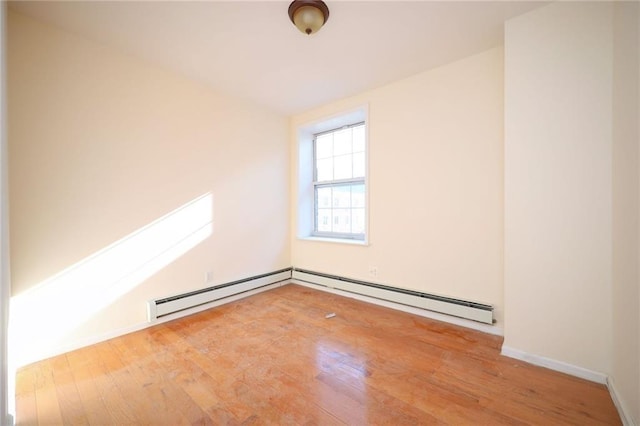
[(274, 358)]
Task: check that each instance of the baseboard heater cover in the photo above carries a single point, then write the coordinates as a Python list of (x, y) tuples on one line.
[(445, 305), (170, 305)]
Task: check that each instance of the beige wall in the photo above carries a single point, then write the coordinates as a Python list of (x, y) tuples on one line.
[(626, 316), (435, 184), (626, 310), (558, 185), (103, 145), (5, 290)]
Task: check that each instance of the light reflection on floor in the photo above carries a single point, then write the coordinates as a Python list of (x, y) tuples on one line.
[(342, 367)]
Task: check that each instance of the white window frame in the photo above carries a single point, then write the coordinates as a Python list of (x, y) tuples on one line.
[(305, 195), (335, 183)]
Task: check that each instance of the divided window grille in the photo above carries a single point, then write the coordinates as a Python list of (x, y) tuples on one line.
[(339, 182)]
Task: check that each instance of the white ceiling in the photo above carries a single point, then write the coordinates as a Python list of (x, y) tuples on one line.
[(251, 49)]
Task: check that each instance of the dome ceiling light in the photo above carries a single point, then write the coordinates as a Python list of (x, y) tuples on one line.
[(308, 15)]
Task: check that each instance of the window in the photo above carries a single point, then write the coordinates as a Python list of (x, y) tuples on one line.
[(332, 186), (339, 182)]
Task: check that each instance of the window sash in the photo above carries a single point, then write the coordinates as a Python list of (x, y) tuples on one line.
[(348, 126), (339, 182), (336, 183)]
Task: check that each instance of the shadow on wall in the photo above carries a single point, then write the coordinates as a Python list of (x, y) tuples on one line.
[(41, 316)]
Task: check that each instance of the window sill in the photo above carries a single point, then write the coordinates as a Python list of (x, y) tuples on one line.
[(336, 240)]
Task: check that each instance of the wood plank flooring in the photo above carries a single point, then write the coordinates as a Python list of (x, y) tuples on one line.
[(274, 358)]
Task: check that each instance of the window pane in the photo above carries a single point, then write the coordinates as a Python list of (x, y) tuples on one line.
[(339, 156), (357, 220), (342, 167), (358, 139), (342, 220), (357, 196), (324, 220), (342, 142), (342, 196), (324, 197), (324, 146), (358, 165), (325, 170)]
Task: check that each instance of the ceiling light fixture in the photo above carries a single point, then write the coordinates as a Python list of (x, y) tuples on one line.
[(308, 15)]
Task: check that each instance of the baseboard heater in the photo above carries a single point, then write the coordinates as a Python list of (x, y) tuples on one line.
[(445, 305), (170, 305)]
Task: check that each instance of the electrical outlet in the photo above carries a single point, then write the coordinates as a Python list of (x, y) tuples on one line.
[(208, 277), (373, 271)]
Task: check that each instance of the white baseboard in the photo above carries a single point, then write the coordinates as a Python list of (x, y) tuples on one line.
[(555, 365), (485, 328), (215, 303), (625, 415)]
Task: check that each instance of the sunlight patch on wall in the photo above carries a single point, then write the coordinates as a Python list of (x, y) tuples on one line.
[(43, 315)]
